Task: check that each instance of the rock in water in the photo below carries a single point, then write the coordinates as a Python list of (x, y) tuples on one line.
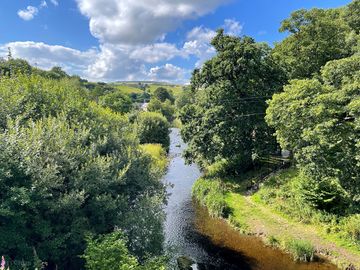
[(185, 263)]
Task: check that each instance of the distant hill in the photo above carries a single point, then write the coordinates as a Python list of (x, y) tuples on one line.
[(139, 87)]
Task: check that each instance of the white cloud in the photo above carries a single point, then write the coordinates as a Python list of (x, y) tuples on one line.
[(29, 13), (131, 40), (140, 21), (113, 62), (198, 44), (156, 52), (168, 72), (233, 27), (54, 2), (46, 56), (43, 4)]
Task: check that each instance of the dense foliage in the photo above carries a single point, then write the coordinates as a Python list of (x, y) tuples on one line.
[(319, 120), (317, 116), (316, 37), (111, 253), (165, 108), (225, 116), (163, 94), (153, 128), (70, 167)]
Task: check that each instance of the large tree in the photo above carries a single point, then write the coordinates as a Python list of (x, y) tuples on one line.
[(225, 119), (316, 37), (319, 120)]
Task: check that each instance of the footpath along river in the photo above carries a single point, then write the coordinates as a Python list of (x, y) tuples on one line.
[(210, 242)]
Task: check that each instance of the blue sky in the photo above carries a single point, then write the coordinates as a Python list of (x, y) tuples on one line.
[(108, 40)]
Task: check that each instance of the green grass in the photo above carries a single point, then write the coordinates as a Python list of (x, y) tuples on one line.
[(158, 155), (176, 89), (210, 193), (128, 90), (278, 210), (301, 250)]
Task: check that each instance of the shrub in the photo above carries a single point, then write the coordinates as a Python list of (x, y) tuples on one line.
[(153, 128), (301, 250), (158, 156), (117, 101), (351, 227), (165, 108), (109, 252), (210, 193), (272, 241), (163, 94)]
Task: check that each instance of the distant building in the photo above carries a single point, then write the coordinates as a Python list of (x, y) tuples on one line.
[(144, 106), (285, 153)]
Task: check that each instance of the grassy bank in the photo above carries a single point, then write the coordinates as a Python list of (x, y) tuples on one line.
[(272, 209)]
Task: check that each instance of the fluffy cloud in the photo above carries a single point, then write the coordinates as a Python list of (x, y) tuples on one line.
[(131, 35), (47, 56), (29, 13), (156, 52), (140, 21), (198, 44), (114, 63), (168, 72)]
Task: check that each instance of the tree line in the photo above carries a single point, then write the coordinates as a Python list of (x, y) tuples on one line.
[(303, 95)]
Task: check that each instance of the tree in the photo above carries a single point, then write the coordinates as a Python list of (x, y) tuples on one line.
[(12, 66), (226, 118), (110, 252), (319, 120), (316, 37), (57, 73), (117, 101), (153, 127), (163, 94), (69, 167), (165, 108), (352, 15)]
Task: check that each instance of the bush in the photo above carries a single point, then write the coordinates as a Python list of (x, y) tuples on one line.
[(153, 128), (351, 226), (165, 108), (211, 193), (158, 156), (301, 250), (110, 252), (68, 167), (163, 94), (117, 101)]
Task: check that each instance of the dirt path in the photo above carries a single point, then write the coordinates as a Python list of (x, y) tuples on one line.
[(263, 221)]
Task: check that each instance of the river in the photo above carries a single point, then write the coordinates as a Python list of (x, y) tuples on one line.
[(212, 243)]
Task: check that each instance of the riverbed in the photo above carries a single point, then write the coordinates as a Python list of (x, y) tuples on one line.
[(211, 242)]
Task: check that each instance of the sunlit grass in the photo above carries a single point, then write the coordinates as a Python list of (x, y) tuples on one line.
[(158, 155)]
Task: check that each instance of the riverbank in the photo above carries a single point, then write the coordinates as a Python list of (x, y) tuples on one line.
[(263, 212)]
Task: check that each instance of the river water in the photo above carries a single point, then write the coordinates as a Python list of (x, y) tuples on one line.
[(212, 243)]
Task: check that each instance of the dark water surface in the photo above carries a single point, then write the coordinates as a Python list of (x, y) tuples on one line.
[(212, 243)]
